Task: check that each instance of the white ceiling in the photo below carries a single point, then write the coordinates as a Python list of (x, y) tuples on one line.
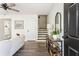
[(33, 8)]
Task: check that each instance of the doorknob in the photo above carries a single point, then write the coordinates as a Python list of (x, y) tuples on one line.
[(65, 37)]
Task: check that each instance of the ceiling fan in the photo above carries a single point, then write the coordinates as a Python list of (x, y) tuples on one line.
[(8, 6)]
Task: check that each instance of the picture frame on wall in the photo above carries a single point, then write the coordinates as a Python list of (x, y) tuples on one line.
[(19, 24)]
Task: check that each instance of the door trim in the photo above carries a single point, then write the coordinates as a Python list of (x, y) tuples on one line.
[(70, 48)]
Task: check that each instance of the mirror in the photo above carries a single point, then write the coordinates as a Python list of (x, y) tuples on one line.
[(58, 22), (7, 28)]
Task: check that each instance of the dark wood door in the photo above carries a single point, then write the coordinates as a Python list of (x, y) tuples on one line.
[(42, 21), (71, 29)]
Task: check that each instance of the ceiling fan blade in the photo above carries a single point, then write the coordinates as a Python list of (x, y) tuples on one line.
[(11, 4), (13, 9)]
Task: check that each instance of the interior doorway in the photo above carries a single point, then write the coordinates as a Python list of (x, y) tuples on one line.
[(42, 27), (42, 21)]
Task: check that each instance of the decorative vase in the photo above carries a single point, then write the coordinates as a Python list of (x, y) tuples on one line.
[(55, 37)]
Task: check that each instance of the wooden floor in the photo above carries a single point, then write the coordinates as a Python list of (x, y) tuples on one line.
[(33, 48)]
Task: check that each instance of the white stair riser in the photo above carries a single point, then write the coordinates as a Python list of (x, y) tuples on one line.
[(42, 31), (42, 35)]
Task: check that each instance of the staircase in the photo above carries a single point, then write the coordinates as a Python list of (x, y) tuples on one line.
[(42, 34)]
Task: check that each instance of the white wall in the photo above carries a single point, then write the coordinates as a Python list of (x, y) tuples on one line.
[(30, 25), (57, 7)]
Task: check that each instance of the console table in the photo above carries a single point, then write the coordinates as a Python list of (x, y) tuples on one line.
[(53, 46)]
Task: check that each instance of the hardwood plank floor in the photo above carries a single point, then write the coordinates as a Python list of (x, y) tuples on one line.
[(33, 48)]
